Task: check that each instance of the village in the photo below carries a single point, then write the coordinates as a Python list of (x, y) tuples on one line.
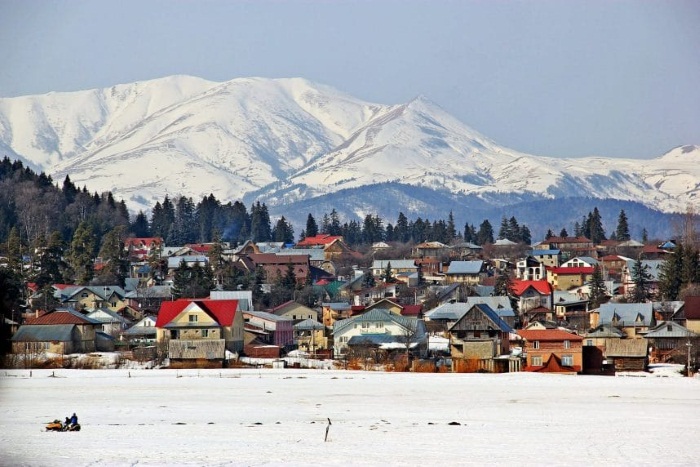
[(447, 308)]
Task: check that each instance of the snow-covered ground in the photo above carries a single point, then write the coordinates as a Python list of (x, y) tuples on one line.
[(280, 417)]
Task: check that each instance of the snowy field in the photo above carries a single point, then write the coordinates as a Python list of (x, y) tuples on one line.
[(280, 417)]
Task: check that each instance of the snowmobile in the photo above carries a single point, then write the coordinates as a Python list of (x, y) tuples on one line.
[(56, 425)]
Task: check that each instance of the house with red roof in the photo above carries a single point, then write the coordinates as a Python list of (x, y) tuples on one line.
[(60, 331), (333, 246), (139, 248), (200, 329), (532, 295), (552, 350)]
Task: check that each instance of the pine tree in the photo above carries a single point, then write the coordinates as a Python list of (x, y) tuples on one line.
[(525, 235), (549, 234), (563, 233), (115, 268), (641, 278), (598, 292), (622, 233), (504, 230), (82, 253), (311, 226), (140, 226), (401, 231), (50, 261), (451, 229), (388, 275), (514, 230), (671, 275), (485, 234)]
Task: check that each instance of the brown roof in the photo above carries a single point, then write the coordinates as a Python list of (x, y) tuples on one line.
[(548, 335), (271, 258), (691, 308), (61, 317)]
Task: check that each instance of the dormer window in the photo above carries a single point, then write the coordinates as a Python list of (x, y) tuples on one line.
[(192, 318)]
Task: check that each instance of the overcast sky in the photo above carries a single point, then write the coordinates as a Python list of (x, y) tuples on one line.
[(554, 78)]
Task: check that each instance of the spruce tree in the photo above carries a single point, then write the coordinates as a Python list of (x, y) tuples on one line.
[(598, 292), (485, 234), (670, 275), (622, 233), (311, 226), (641, 278)]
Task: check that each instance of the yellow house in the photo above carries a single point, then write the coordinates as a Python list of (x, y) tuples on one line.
[(200, 329), (94, 297)]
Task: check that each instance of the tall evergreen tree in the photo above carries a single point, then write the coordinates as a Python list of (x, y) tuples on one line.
[(82, 253), (671, 275), (401, 232), (311, 226), (283, 231), (451, 229), (115, 267), (485, 234), (622, 232), (598, 294), (641, 279), (140, 227)]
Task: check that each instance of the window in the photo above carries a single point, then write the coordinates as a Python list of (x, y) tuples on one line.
[(589, 342), (193, 318), (365, 325), (380, 325), (536, 344), (536, 361), (567, 344), (205, 332), (173, 334), (567, 360)]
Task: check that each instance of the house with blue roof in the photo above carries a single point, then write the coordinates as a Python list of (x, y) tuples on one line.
[(466, 272), (634, 319), (477, 338), (379, 328)]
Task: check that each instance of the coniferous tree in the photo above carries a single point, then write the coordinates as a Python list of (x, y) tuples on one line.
[(50, 261), (595, 230), (598, 294), (368, 280), (115, 267), (645, 235), (401, 231), (563, 233), (485, 234), (82, 252), (283, 231), (549, 234), (690, 272), (311, 226), (451, 229), (514, 230), (388, 275), (525, 235), (671, 274), (622, 233), (140, 226), (641, 279)]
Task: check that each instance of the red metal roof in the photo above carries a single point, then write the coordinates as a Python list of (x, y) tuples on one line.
[(412, 310), (223, 311), (542, 286), (60, 317), (691, 307), (552, 335)]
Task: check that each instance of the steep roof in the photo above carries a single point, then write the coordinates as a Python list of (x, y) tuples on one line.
[(375, 315), (519, 287), (548, 335), (626, 314), (222, 311), (626, 348), (491, 315), (691, 308), (320, 239)]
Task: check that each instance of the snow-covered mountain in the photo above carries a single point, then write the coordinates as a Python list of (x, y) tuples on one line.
[(288, 142)]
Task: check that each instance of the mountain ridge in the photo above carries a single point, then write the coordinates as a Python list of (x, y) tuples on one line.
[(288, 141)]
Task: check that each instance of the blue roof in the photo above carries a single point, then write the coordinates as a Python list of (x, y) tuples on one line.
[(465, 267), (544, 252), (625, 314)]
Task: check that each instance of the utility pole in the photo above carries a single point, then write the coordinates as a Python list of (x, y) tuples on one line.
[(689, 345)]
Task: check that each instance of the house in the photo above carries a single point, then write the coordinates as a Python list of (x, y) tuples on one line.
[(548, 258), (450, 313), (200, 329), (334, 311), (567, 278), (580, 262), (668, 341), (634, 319), (111, 323), (279, 329), (541, 345), (430, 250), (295, 311), (396, 266), (530, 269), (570, 247), (532, 295), (626, 354), (141, 333), (386, 304), (68, 331), (477, 338), (466, 272), (572, 308), (378, 328), (140, 248), (652, 267), (278, 265), (93, 297), (333, 246), (689, 315), (310, 336), (612, 266)]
